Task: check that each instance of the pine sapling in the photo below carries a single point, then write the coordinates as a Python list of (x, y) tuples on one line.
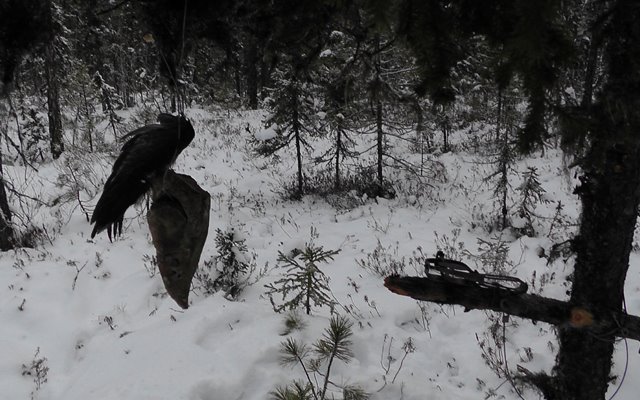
[(296, 391), (317, 362), (303, 283)]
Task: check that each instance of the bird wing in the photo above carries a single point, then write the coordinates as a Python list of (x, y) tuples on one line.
[(149, 151)]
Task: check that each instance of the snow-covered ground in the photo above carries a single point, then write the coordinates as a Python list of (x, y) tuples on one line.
[(89, 319)]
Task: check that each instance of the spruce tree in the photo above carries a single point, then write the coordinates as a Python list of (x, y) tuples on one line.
[(232, 264), (292, 115), (531, 194), (337, 76), (53, 67), (303, 283)]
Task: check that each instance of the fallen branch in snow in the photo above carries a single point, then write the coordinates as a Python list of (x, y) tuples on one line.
[(529, 306)]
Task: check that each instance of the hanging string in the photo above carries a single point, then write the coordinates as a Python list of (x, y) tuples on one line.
[(181, 92), (178, 93)]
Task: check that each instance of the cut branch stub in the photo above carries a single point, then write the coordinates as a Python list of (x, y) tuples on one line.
[(179, 223), (537, 308)]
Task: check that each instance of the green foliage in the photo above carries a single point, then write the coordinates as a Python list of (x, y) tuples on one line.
[(505, 157), (231, 263), (560, 222), (303, 283), (292, 113), (293, 322), (296, 391), (32, 132), (531, 194), (232, 269), (316, 362), (531, 36), (335, 341)]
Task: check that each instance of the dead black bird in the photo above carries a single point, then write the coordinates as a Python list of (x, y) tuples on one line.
[(148, 153)]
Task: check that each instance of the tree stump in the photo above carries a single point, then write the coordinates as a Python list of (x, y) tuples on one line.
[(179, 224)]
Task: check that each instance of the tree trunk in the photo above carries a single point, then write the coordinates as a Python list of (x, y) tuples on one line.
[(594, 10), (379, 139), (590, 73), (251, 73), (504, 179), (610, 199), (338, 148), (6, 230), (296, 132), (610, 194), (446, 127), (52, 74), (499, 116), (377, 96)]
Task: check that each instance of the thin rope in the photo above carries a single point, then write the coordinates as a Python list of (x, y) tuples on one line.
[(180, 93)]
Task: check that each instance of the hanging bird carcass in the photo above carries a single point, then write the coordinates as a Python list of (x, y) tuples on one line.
[(147, 154)]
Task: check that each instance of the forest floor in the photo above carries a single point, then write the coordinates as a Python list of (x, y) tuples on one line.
[(89, 319)]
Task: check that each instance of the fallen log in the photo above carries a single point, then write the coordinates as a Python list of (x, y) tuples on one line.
[(528, 306)]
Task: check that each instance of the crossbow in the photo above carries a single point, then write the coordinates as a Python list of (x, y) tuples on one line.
[(440, 269)]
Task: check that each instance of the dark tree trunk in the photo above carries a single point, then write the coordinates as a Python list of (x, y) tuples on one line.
[(377, 98), (499, 116), (296, 133), (6, 230), (251, 73), (299, 158), (610, 199), (91, 47), (446, 127), (379, 139), (55, 119), (610, 194), (504, 179), (421, 133), (590, 73), (237, 75), (338, 149), (52, 74), (595, 10)]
